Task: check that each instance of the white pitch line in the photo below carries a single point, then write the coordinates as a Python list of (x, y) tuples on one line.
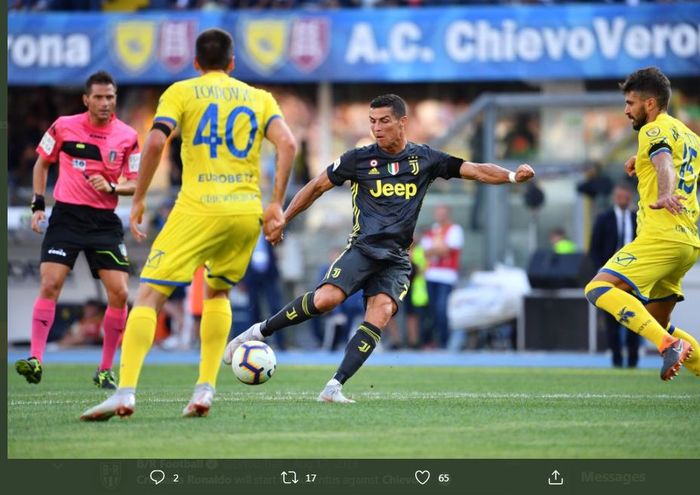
[(378, 396)]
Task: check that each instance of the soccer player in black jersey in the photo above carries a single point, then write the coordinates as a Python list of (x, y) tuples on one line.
[(388, 180)]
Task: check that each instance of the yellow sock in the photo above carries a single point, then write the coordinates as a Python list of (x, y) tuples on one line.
[(138, 338), (629, 311), (693, 362), (214, 330)]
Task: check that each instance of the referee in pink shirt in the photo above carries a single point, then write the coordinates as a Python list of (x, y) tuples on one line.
[(94, 150)]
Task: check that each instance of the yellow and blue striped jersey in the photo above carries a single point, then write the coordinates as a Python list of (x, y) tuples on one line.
[(223, 122), (668, 135)]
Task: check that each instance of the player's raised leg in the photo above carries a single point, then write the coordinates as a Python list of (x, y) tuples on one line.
[(301, 309)]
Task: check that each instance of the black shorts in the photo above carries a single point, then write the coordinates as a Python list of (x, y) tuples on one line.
[(75, 228), (352, 271)]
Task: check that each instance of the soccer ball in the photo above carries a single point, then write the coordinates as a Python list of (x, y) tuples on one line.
[(254, 362)]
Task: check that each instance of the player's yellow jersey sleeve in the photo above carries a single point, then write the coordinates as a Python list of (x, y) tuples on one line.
[(668, 135), (170, 105), (222, 123)]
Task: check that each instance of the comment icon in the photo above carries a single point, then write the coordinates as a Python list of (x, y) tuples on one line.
[(157, 476)]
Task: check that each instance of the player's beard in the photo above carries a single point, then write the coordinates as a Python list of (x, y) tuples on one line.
[(640, 122)]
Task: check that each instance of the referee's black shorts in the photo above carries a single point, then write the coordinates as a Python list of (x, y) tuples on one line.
[(75, 228)]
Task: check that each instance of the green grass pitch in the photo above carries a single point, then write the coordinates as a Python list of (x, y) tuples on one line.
[(402, 412)]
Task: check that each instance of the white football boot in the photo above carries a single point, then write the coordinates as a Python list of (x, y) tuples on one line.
[(201, 401), (121, 403), (333, 392), (253, 333)]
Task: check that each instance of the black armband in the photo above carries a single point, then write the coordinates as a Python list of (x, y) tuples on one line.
[(162, 128), (660, 146), (38, 203), (453, 166)]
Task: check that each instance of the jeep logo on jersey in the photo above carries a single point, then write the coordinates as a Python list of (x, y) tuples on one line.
[(406, 190), (134, 42), (393, 168)]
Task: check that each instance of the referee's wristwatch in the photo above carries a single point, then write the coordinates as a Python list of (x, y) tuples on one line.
[(114, 188)]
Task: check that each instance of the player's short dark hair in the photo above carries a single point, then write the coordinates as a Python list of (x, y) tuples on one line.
[(650, 82), (214, 49), (99, 77), (397, 104)]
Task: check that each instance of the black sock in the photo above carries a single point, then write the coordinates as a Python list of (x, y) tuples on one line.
[(299, 310), (358, 350)]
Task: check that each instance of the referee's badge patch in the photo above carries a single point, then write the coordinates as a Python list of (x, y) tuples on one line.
[(112, 156), (47, 143), (134, 161)]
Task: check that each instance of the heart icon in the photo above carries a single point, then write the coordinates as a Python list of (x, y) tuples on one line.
[(423, 476)]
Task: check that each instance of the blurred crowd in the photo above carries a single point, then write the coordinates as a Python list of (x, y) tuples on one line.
[(133, 5)]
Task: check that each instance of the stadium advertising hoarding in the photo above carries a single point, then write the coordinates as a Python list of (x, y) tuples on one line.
[(431, 44)]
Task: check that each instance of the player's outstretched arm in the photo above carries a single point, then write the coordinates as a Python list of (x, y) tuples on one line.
[(39, 176), (150, 159), (279, 134), (489, 173), (666, 183)]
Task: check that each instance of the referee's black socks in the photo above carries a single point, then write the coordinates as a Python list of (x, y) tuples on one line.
[(299, 310), (358, 350)]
